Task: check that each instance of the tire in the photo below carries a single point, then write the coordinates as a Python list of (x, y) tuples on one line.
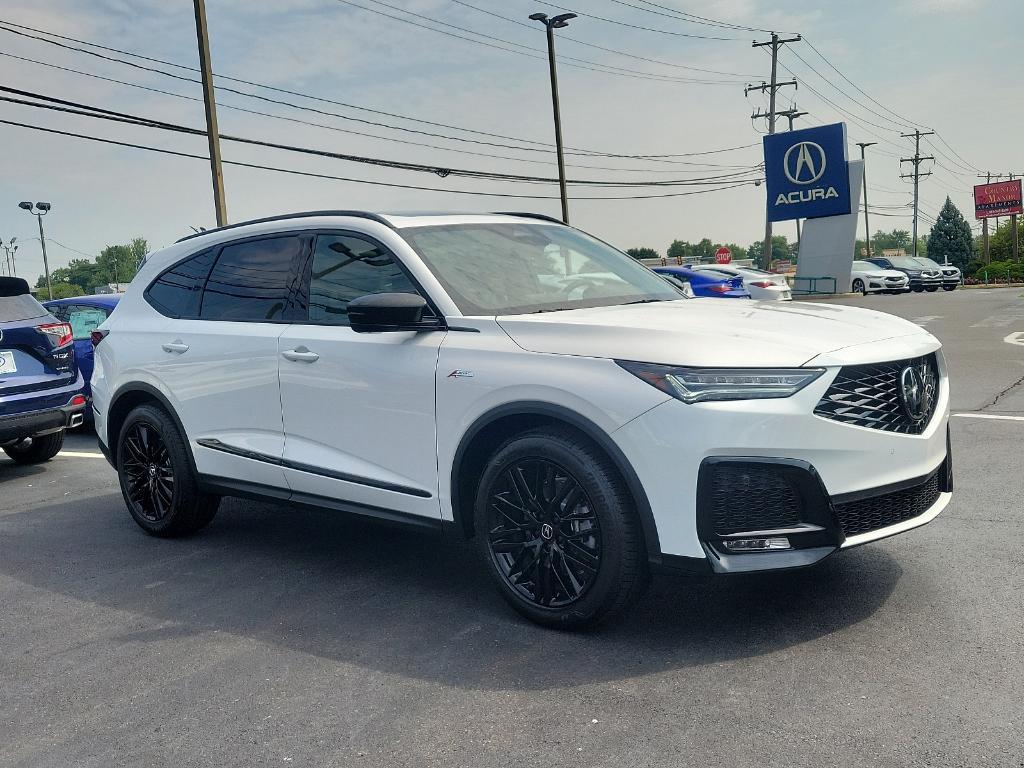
[(159, 485), (932, 289), (917, 289), (858, 287), (36, 450), (568, 563), (949, 287)]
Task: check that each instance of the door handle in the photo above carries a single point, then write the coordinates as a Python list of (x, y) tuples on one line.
[(175, 346), (300, 355)]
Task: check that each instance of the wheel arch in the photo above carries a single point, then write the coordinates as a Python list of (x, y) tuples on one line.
[(126, 399), (491, 428)]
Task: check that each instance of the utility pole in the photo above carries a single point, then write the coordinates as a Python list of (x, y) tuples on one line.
[(209, 100), (772, 88), (867, 229), (917, 159), (11, 248), (984, 224), (41, 210), (551, 24)]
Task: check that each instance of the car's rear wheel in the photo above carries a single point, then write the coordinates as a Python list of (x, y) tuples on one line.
[(858, 287), (35, 450), (158, 482), (557, 528)]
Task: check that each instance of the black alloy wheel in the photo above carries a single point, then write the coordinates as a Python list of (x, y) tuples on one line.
[(148, 472), (158, 480), (558, 529), (543, 534)]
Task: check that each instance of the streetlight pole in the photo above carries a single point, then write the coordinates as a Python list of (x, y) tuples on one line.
[(864, 172), (11, 248), (551, 24), (41, 210)]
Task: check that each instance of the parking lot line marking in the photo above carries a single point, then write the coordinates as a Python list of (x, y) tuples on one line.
[(1017, 337), (988, 416), (81, 455)]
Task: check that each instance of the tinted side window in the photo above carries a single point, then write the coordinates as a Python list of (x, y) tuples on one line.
[(253, 280), (346, 267), (177, 292)]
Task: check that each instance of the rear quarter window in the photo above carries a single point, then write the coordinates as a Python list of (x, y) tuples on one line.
[(178, 291)]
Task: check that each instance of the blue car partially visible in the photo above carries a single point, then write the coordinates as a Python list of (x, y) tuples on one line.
[(707, 285), (40, 385), (84, 314)]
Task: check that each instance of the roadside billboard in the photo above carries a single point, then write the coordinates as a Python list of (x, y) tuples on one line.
[(1000, 198)]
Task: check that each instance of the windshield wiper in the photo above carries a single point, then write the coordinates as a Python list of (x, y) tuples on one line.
[(642, 301)]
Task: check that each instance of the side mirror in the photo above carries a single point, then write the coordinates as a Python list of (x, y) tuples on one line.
[(382, 312)]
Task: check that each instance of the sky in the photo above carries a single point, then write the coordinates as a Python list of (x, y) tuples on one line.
[(485, 105)]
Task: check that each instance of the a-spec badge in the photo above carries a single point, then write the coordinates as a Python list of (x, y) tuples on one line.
[(461, 373)]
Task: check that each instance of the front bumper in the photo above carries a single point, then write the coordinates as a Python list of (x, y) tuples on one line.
[(669, 444)]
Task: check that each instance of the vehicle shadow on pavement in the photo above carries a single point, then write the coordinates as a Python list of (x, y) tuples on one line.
[(392, 600)]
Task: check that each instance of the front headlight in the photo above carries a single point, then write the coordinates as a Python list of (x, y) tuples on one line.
[(697, 385)]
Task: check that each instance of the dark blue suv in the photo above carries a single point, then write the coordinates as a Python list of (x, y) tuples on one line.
[(40, 386)]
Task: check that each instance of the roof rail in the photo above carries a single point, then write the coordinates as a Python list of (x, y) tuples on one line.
[(285, 216), (540, 216)]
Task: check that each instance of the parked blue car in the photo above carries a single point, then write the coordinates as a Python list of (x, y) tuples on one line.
[(84, 314), (708, 285), (40, 385)]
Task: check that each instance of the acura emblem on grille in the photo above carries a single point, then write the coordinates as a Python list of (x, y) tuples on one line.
[(917, 388)]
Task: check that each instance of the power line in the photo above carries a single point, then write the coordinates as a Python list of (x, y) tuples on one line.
[(538, 145), (360, 181), (638, 26), (528, 50), (601, 47), (86, 110), (690, 17)]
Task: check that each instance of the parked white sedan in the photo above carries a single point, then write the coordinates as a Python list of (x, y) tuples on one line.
[(763, 286), (871, 278)]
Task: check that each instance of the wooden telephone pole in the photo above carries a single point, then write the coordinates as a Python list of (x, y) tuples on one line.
[(917, 159)]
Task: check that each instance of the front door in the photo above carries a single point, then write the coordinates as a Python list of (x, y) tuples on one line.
[(358, 408)]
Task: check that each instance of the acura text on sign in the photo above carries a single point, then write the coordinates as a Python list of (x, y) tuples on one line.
[(999, 199), (806, 173)]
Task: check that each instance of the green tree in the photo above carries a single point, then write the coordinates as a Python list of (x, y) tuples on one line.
[(679, 249), (950, 237), (704, 250), (780, 249), (1001, 242), (643, 253)]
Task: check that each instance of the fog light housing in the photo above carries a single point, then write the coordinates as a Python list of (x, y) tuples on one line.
[(757, 545)]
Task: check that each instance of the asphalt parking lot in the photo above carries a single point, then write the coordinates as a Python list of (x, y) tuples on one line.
[(282, 637)]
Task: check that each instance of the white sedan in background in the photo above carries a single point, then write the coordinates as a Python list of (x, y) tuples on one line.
[(870, 278), (763, 286)]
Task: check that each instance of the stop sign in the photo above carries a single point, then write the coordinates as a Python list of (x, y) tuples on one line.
[(723, 255)]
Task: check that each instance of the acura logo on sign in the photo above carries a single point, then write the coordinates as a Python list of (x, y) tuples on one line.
[(917, 391), (804, 163)]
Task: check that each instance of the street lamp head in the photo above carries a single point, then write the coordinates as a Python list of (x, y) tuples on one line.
[(44, 207), (541, 17), (562, 21), (24, 205)]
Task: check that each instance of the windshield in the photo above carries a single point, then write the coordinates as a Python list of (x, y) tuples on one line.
[(927, 263), (866, 266), (513, 269), (904, 262), (20, 308)]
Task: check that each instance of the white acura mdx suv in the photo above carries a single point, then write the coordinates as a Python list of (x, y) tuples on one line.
[(512, 379)]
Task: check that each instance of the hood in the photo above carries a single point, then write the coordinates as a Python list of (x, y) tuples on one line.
[(887, 273), (707, 332)]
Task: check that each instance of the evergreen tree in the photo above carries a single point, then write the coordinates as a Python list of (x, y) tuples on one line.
[(643, 253), (950, 239)]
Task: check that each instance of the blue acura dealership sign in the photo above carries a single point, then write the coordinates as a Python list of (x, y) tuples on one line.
[(806, 173)]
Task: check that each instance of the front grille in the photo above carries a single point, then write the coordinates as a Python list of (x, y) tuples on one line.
[(874, 396), (748, 497), (882, 511)]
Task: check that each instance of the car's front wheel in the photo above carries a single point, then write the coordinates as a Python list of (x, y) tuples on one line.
[(858, 287), (35, 450), (158, 482), (949, 287), (558, 530), (932, 288)]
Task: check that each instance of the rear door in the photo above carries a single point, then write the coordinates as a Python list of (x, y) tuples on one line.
[(218, 357), (359, 415), (35, 354)]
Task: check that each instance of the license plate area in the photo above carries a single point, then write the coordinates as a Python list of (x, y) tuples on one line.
[(7, 364)]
